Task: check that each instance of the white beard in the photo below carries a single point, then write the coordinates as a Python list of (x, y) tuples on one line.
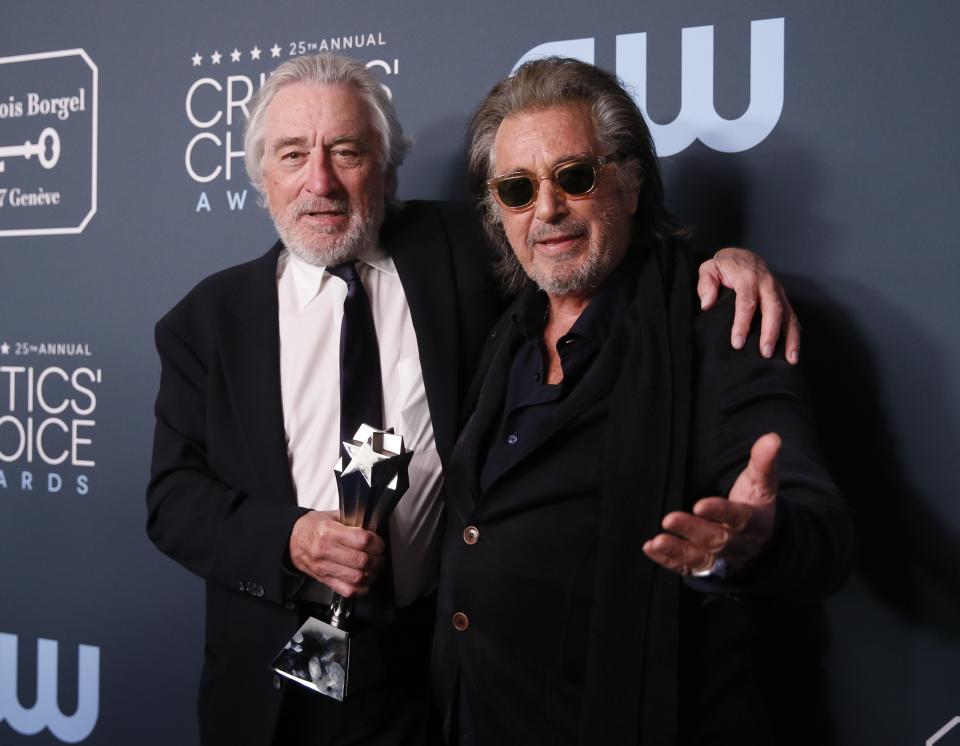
[(327, 247)]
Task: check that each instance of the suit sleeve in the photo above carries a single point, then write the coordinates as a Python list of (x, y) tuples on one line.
[(740, 396), (198, 510)]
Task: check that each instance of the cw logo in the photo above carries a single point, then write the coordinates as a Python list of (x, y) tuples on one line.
[(698, 119), (46, 712)]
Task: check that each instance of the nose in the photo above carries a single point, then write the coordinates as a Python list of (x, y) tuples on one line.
[(551, 204), (321, 177)]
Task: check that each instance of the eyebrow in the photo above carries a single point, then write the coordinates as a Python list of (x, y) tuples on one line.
[(571, 157), (355, 139), (553, 165), (286, 142)]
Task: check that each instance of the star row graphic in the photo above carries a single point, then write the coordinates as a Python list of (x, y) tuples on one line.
[(235, 56)]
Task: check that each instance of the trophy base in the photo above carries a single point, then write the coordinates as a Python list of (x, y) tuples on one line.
[(329, 660)]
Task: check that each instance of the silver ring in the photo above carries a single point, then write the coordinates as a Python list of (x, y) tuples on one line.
[(717, 569)]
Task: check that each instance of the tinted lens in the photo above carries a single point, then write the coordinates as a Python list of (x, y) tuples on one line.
[(516, 191), (576, 179)]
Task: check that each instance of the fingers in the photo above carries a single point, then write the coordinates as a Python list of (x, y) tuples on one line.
[(745, 306), (692, 543), (706, 533), (695, 543), (771, 315), (734, 516), (755, 286), (776, 317), (347, 581), (734, 529), (346, 558), (792, 346), (708, 286), (741, 271), (757, 483), (678, 555)]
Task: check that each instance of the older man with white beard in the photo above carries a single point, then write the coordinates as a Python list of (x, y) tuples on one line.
[(250, 414)]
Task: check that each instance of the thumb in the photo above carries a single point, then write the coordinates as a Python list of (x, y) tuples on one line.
[(757, 484)]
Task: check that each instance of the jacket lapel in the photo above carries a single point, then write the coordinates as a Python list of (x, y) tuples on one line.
[(419, 252), (250, 351), (488, 391)]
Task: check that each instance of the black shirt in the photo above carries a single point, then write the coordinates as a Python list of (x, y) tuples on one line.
[(530, 401)]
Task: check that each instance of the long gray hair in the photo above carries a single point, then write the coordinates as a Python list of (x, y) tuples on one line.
[(620, 128)]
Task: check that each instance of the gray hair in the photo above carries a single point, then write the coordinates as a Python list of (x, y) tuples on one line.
[(331, 69), (620, 128)]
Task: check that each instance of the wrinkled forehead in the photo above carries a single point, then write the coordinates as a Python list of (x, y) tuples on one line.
[(322, 109), (538, 139)]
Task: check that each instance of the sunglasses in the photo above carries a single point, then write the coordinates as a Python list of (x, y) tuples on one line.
[(575, 178)]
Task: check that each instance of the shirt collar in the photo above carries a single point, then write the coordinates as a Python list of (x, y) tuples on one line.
[(597, 319), (309, 279)]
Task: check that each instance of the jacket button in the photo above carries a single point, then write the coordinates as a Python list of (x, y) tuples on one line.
[(460, 621), (471, 534), (276, 682)]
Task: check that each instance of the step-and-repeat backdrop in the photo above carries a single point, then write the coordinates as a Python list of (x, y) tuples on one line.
[(821, 134)]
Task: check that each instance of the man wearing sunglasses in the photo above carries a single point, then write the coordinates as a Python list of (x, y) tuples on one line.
[(595, 586), (251, 407)]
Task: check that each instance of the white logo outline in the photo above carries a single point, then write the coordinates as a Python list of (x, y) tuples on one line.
[(95, 71), (943, 731)]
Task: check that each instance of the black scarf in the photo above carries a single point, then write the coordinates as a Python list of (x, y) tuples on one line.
[(631, 690)]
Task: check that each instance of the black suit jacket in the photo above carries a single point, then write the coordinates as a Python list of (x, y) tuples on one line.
[(221, 500), (660, 663)]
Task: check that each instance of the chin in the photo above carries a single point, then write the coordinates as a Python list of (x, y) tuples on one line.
[(569, 278), (322, 248), (322, 256)]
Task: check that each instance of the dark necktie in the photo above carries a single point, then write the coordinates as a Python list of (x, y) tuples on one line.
[(361, 400), (361, 403)]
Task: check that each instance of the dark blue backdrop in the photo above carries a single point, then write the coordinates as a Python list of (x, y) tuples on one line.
[(840, 164)]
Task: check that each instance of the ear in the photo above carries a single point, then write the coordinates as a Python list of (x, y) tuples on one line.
[(631, 200), (390, 183)]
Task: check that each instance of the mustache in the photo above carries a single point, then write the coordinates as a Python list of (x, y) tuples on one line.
[(321, 205), (569, 227)]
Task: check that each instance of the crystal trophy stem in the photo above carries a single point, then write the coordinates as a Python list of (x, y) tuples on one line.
[(323, 655), (339, 611)]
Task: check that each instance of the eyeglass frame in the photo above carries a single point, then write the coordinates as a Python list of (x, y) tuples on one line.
[(596, 163)]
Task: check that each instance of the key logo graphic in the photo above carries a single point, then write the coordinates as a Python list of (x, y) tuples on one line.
[(46, 148), (48, 143)]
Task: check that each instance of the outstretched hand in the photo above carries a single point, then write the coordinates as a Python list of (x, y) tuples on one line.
[(749, 277), (733, 529)]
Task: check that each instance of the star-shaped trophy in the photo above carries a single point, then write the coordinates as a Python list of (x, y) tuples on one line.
[(322, 655)]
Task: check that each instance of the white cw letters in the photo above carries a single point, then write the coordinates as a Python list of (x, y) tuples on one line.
[(697, 119), (46, 713)]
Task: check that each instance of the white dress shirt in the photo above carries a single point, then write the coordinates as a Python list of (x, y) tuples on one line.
[(311, 308)]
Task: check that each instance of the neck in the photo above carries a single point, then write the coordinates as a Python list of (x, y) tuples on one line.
[(564, 310), (562, 313)]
